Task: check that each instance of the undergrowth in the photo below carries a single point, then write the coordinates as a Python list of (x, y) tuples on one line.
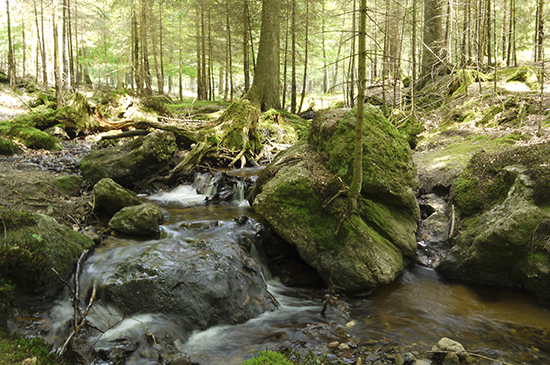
[(14, 349)]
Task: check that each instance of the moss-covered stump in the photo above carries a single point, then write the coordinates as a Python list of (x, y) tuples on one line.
[(353, 252), (30, 246), (110, 197), (527, 75), (138, 220), (132, 163), (78, 116), (504, 200)]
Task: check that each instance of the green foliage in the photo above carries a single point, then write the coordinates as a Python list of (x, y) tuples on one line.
[(15, 348), (268, 357), (485, 182)]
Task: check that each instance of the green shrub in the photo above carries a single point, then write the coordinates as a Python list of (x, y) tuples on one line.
[(268, 358)]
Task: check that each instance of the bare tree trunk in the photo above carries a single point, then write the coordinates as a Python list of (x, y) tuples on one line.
[(351, 74), (160, 84), (357, 180), (180, 90), (203, 58), (44, 66), (200, 86), (230, 53), (306, 53), (57, 66), (11, 61), (285, 67), (24, 47), (246, 65), (293, 50), (161, 53), (146, 71), (265, 90)]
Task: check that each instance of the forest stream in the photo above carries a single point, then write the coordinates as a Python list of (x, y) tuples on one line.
[(411, 314)]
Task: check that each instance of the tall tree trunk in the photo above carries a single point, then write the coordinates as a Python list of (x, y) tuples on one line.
[(306, 54), (489, 33), (357, 180), (229, 52), (351, 72), (264, 92), (203, 56), (11, 60), (44, 66), (323, 46), (24, 47), (56, 60), (285, 67), (200, 92), (161, 53), (433, 39), (160, 85), (246, 65), (539, 31), (293, 55), (511, 53), (180, 87), (146, 70)]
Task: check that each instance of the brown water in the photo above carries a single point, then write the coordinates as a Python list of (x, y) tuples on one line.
[(416, 310)]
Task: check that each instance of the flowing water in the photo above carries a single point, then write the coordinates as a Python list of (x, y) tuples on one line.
[(414, 312)]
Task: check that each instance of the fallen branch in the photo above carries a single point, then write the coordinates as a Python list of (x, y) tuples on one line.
[(471, 354)]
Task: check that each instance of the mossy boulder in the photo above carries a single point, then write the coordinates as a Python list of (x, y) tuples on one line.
[(499, 247), (110, 197), (133, 162), (355, 252), (7, 147), (527, 75), (138, 220), (69, 184), (30, 246)]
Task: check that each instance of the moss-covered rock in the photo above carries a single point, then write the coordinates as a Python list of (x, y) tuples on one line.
[(30, 246), (129, 164), (34, 138), (7, 147), (138, 220), (110, 197), (527, 75), (498, 246), (69, 184), (356, 252)]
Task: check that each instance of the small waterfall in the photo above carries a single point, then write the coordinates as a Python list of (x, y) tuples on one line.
[(238, 191)]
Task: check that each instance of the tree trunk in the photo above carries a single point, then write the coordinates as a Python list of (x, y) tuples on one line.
[(293, 50), (357, 180), (246, 65), (539, 50), (306, 51), (160, 84), (57, 66), (24, 47), (433, 53), (11, 61), (161, 53), (44, 66), (229, 79), (146, 71), (264, 92), (203, 55), (180, 90)]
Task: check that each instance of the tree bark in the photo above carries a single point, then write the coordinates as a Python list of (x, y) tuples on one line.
[(357, 180), (433, 52), (306, 54), (160, 83), (293, 50), (146, 71), (11, 61), (57, 66), (264, 92), (246, 65)]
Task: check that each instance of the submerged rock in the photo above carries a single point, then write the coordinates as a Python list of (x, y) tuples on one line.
[(132, 163), (354, 252)]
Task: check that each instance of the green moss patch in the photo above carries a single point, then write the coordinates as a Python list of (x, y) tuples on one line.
[(485, 181), (527, 75)]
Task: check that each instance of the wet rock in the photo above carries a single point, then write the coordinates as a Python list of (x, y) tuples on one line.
[(204, 283), (30, 246), (132, 163), (449, 352), (405, 359), (138, 220), (110, 197), (294, 194), (433, 231)]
